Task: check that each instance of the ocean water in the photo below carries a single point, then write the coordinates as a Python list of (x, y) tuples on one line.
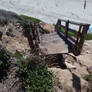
[(50, 10), (90, 29)]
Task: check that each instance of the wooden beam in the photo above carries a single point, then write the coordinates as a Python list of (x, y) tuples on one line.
[(66, 29), (82, 37), (58, 25), (73, 22), (78, 35)]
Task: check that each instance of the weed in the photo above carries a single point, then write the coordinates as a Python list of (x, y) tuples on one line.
[(30, 18), (89, 79), (4, 61)]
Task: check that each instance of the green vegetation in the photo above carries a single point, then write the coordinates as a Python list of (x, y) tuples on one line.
[(4, 58), (54, 24), (3, 22), (30, 18), (89, 79), (88, 36), (4, 61), (69, 33), (34, 73)]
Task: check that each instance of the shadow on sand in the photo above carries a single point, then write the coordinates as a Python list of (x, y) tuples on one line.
[(76, 82)]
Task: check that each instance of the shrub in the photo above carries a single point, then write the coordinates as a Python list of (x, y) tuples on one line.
[(3, 22), (89, 79), (34, 74), (4, 61), (30, 18)]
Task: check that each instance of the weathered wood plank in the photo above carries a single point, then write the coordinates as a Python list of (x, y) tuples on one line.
[(52, 44)]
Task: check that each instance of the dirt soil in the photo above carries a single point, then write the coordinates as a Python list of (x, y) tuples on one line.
[(66, 80), (17, 42), (72, 80), (11, 83)]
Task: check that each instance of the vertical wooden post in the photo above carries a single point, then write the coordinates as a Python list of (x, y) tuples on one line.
[(66, 29), (78, 35), (82, 37), (28, 34), (76, 51), (36, 38), (33, 33), (58, 26), (38, 28)]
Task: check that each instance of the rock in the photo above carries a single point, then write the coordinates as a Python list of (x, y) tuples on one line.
[(57, 89), (47, 27), (89, 69), (70, 66), (10, 34), (3, 88), (85, 59), (4, 39), (69, 81), (11, 30)]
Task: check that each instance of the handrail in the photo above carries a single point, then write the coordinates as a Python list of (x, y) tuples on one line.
[(73, 22), (80, 34)]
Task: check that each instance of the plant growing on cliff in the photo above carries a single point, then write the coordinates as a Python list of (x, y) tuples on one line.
[(4, 61), (34, 74)]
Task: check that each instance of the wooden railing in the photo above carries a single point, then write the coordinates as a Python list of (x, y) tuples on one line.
[(76, 42)]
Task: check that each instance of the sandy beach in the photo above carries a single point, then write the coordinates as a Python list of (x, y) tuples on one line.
[(50, 10)]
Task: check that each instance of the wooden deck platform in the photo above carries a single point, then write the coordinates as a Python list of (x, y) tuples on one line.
[(52, 44)]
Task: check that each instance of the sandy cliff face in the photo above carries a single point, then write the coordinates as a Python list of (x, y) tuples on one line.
[(51, 10)]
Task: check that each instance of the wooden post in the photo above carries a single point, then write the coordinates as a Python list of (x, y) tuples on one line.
[(36, 38), (58, 26), (76, 51), (78, 35), (66, 29), (37, 32), (28, 34), (82, 38)]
